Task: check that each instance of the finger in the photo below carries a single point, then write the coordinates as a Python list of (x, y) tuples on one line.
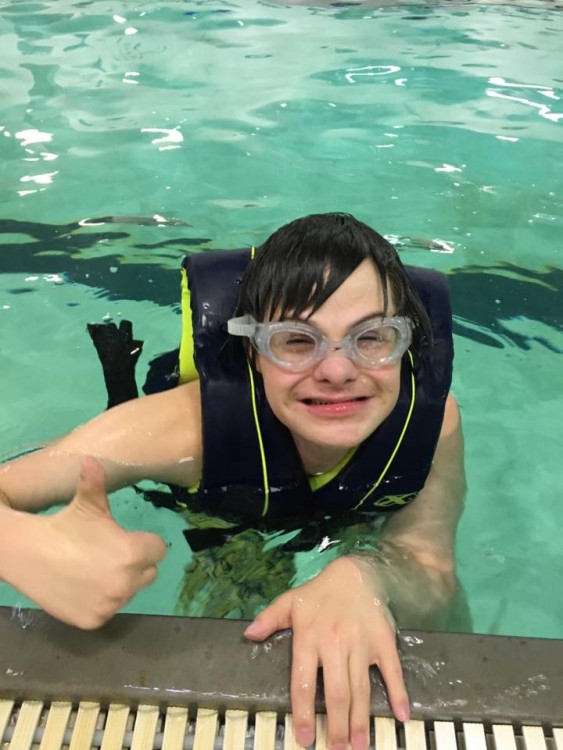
[(392, 673), (336, 681), (304, 670), (275, 617), (91, 489), (151, 548), (360, 694), (148, 576), (126, 330)]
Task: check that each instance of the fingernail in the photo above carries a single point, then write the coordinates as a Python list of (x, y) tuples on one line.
[(339, 746), (359, 741), (305, 737), (403, 713), (252, 629)]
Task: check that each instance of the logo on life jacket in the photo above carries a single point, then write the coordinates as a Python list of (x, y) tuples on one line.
[(391, 500)]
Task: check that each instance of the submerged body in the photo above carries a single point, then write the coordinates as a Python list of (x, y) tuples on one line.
[(82, 567)]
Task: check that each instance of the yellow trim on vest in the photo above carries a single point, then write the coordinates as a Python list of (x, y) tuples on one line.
[(186, 363), (188, 371), (399, 441), (319, 480), (260, 441)]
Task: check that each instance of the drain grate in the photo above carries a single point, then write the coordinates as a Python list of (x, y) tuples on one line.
[(34, 725)]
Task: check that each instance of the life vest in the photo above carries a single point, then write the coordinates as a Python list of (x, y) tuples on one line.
[(251, 468)]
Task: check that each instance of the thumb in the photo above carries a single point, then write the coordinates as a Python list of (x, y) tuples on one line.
[(275, 617), (91, 489)]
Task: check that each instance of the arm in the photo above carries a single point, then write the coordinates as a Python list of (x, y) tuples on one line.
[(416, 568), (342, 619), (157, 437), (79, 564)]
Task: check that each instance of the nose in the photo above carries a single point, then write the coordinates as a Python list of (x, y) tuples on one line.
[(336, 368)]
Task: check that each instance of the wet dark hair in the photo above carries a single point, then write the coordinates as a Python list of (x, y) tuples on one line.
[(301, 264)]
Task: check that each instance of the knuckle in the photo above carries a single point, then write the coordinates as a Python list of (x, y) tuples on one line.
[(362, 688), (117, 587), (120, 591), (337, 737), (301, 687), (304, 641), (360, 725), (130, 553), (150, 576), (337, 696), (92, 620), (342, 634)]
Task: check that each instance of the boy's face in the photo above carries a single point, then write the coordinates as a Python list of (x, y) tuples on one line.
[(336, 404)]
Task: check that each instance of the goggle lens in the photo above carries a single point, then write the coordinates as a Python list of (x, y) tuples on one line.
[(379, 342), (293, 347)]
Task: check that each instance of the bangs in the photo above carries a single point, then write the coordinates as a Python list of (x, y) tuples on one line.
[(305, 291), (311, 268), (304, 262)]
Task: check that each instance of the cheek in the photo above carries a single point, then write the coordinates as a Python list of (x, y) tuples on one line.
[(272, 379), (388, 379), (276, 382)]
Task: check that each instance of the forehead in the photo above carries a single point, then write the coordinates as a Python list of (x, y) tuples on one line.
[(359, 296)]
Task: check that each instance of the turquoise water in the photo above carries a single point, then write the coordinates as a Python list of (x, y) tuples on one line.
[(439, 126)]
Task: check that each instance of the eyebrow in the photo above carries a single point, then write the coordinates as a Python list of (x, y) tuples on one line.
[(369, 316)]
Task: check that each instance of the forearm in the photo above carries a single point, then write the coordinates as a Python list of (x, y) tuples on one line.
[(417, 595), (10, 524), (16, 533), (415, 564), (4, 509), (4, 499)]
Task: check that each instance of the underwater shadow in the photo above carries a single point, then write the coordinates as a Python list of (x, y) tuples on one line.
[(484, 298)]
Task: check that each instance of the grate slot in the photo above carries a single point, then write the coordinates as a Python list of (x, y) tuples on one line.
[(55, 727), (385, 733), (28, 721), (534, 738), (504, 738), (474, 736), (115, 727), (175, 728), (265, 730), (6, 708), (84, 726), (146, 726)]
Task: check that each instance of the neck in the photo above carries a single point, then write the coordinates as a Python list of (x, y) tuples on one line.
[(318, 459)]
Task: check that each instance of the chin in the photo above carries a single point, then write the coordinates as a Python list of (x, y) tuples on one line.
[(337, 439)]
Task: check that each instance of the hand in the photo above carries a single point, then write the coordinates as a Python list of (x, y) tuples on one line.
[(340, 624), (79, 564)]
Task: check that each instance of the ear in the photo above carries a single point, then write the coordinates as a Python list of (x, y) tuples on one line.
[(256, 362), (253, 356)]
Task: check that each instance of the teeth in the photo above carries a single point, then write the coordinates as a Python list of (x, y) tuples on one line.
[(318, 402)]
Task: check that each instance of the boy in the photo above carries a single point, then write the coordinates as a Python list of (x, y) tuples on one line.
[(332, 396)]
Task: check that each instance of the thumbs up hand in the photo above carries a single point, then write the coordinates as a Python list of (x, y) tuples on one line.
[(79, 564)]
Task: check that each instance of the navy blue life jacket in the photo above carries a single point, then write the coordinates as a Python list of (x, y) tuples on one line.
[(251, 468)]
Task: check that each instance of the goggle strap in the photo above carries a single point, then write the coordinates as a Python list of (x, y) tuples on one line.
[(241, 326)]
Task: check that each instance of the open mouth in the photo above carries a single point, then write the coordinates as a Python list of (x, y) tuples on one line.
[(320, 402)]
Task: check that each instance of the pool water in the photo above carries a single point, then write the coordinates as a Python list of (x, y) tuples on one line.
[(131, 135)]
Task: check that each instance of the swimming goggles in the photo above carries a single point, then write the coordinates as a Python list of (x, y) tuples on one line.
[(297, 346)]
